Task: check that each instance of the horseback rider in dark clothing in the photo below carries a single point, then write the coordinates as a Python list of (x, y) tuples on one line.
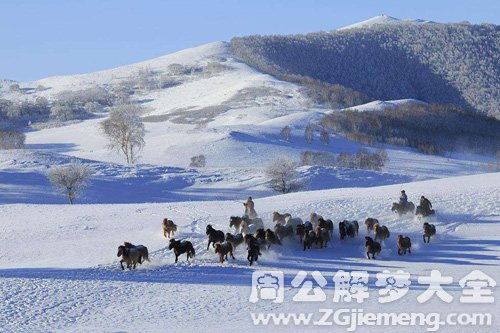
[(403, 199), (426, 206)]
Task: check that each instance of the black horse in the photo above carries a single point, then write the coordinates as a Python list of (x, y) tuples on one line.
[(181, 247), (348, 228)]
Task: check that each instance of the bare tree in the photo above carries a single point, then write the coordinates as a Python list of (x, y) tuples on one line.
[(70, 180), (286, 132), (283, 175), (309, 133), (125, 130), (325, 137)]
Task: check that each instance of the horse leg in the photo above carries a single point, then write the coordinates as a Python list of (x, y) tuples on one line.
[(208, 245), (121, 264)]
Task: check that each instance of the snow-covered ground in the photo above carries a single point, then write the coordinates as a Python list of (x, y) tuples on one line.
[(59, 272)]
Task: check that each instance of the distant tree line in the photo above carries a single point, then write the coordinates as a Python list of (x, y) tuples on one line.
[(362, 159), (66, 105), (430, 129)]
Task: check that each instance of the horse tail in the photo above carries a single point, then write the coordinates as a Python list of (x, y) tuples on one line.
[(146, 254), (191, 251)]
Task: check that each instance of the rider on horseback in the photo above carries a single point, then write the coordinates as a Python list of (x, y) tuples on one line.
[(250, 208), (426, 206), (403, 199)]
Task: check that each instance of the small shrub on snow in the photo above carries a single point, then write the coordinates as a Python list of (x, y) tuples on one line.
[(325, 137), (62, 112), (178, 69), (317, 158), (93, 107), (198, 161), (286, 133), (11, 139), (15, 88), (309, 133), (363, 159)]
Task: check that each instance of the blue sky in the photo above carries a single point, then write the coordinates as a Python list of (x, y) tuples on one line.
[(41, 38)]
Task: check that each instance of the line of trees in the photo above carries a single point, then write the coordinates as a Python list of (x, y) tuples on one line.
[(362, 159), (430, 129)]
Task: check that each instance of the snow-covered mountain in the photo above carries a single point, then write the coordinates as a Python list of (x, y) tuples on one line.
[(390, 59), (382, 20)]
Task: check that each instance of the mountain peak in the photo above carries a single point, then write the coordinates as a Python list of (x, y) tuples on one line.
[(383, 19)]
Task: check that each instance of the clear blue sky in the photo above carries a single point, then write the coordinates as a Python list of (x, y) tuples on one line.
[(41, 38)]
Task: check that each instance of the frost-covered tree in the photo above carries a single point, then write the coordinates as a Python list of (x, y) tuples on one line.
[(309, 133), (93, 107), (286, 133), (146, 79), (15, 88), (70, 180), (125, 130), (431, 129), (283, 176), (12, 139), (178, 69), (61, 112), (325, 137)]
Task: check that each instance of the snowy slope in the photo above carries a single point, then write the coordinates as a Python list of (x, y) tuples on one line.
[(384, 105), (61, 273), (234, 118), (383, 20)]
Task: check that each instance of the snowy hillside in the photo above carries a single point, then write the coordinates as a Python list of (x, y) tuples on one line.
[(383, 19), (384, 105), (233, 117), (62, 259)]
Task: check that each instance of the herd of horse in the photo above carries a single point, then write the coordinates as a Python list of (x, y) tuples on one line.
[(251, 233)]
